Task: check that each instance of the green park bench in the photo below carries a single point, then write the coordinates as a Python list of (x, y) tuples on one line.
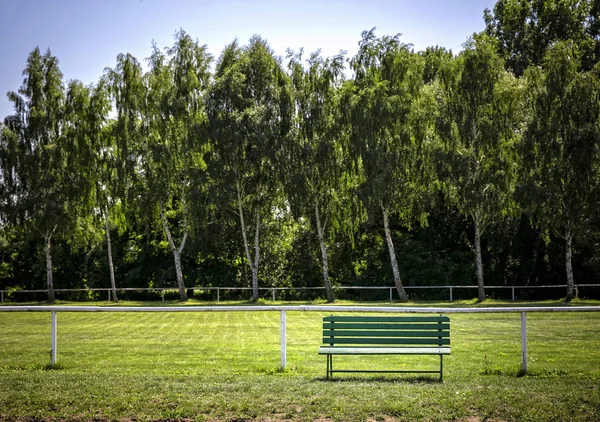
[(385, 335)]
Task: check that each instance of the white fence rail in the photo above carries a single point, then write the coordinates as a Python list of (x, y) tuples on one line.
[(273, 290), (283, 309)]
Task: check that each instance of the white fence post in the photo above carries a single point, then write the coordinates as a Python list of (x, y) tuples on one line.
[(53, 340), (523, 342), (450, 293), (283, 340), (391, 299)]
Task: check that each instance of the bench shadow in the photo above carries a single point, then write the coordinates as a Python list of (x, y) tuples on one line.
[(382, 379)]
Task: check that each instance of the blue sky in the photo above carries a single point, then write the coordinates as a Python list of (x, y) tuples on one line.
[(87, 35)]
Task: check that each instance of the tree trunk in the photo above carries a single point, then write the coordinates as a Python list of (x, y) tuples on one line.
[(182, 292), (479, 262), (256, 258), (49, 278), (111, 267), (253, 264), (320, 232), (395, 271), (176, 255), (569, 265)]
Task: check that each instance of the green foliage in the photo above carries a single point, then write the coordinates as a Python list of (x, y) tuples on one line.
[(45, 156), (309, 166), (250, 112), (479, 123), (315, 172), (561, 184), (562, 143), (316, 169), (389, 117), (434, 58), (524, 30), (35, 154)]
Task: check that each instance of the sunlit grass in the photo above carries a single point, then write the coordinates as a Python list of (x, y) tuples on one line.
[(225, 365)]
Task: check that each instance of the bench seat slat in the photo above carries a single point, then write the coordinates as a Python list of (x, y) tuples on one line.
[(380, 333), (376, 340), (323, 350), (344, 318), (384, 326)]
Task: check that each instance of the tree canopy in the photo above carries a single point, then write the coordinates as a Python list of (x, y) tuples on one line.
[(392, 167)]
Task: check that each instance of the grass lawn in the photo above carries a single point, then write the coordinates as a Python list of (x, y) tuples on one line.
[(224, 366)]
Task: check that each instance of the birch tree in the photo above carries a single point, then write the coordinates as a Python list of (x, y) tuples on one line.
[(560, 183), (317, 182), (85, 109), (390, 134), (102, 167), (174, 112), (250, 115), (119, 151), (479, 124), (42, 186)]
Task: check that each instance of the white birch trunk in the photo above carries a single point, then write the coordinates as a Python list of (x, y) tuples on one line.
[(49, 276), (320, 233), (479, 262), (390, 243), (253, 264), (569, 265), (256, 258), (176, 255), (477, 223), (111, 267)]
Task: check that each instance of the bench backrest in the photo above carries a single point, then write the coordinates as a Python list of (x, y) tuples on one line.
[(386, 331)]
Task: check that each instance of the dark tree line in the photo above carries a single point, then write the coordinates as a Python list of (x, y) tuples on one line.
[(420, 168)]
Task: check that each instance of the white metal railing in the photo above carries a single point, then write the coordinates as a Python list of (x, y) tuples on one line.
[(282, 309), (273, 290)]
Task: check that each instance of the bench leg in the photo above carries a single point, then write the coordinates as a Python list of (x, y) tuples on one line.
[(327, 375), (441, 367)]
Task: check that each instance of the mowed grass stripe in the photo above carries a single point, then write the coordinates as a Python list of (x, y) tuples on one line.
[(179, 340), (224, 365), (248, 338)]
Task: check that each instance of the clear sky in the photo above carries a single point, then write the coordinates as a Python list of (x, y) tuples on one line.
[(87, 35)]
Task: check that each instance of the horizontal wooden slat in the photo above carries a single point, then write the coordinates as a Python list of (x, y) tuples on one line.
[(384, 326), (339, 318), (384, 333), (371, 340), (384, 350)]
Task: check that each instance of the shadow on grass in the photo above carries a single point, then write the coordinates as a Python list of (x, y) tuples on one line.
[(276, 370), (34, 367), (530, 373), (383, 379)]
